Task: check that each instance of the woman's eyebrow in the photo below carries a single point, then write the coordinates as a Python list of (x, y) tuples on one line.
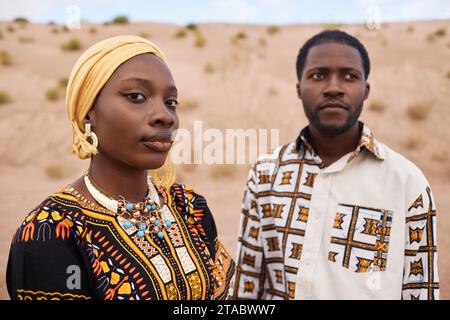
[(141, 81), (147, 82)]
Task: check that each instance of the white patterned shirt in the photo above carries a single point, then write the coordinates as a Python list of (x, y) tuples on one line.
[(362, 228)]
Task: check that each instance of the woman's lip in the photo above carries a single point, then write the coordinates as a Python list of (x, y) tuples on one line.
[(158, 146)]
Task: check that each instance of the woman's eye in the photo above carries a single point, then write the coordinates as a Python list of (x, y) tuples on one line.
[(172, 103), (135, 97)]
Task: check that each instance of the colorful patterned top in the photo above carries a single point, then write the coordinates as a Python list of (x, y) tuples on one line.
[(363, 227), (71, 248)]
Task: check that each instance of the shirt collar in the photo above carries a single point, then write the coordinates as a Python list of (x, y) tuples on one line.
[(367, 141)]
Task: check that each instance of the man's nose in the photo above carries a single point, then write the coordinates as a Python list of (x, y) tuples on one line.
[(333, 89)]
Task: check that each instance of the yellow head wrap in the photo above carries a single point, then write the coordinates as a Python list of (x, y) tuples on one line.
[(90, 73)]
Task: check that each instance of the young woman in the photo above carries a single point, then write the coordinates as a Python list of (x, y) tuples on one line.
[(121, 231)]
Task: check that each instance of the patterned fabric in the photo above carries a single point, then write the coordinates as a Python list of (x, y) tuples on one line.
[(70, 248), (362, 228)]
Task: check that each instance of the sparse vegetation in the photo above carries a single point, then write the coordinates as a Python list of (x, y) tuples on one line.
[(56, 171), (1, 35), (191, 26), (412, 142), (262, 41), (410, 29), (271, 30), (120, 20), (25, 39), (4, 97), (333, 26), (189, 104), (92, 30), (448, 74), (21, 20), (5, 58), (55, 30), (209, 68), (144, 34), (418, 111), (65, 29), (441, 32), (10, 29), (200, 40), (62, 82), (52, 94), (439, 155), (73, 44), (181, 33), (238, 37), (377, 106), (223, 171)]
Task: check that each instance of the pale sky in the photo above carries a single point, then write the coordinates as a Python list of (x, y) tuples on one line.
[(233, 11)]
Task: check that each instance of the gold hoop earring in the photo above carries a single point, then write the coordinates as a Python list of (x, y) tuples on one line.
[(88, 133)]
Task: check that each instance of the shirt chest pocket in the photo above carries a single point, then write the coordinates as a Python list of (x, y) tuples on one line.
[(360, 238)]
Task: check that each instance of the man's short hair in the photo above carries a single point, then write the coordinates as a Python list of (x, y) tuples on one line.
[(334, 36)]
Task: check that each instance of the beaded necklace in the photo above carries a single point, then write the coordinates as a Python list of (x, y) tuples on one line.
[(145, 216)]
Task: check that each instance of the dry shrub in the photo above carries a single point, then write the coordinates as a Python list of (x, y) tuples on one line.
[(440, 155), (62, 82), (73, 44), (418, 111), (56, 171), (189, 104), (144, 34), (25, 39), (5, 58), (200, 40), (377, 106), (52, 94), (262, 41), (181, 33), (271, 30), (120, 20), (209, 68), (224, 171), (4, 97), (441, 32), (191, 26), (412, 142)]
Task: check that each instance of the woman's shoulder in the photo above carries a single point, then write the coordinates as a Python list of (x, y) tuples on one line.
[(53, 218)]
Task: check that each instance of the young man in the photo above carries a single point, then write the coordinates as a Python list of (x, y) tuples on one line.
[(336, 214)]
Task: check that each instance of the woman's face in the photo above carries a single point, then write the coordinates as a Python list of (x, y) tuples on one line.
[(135, 113)]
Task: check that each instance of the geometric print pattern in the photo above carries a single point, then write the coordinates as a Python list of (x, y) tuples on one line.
[(360, 238), (420, 279)]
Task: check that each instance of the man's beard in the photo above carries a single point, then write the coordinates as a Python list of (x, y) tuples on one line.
[(332, 130)]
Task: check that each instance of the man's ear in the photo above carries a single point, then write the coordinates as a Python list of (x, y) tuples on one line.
[(366, 95), (299, 90)]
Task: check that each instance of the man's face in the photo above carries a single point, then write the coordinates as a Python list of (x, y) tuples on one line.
[(333, 88)]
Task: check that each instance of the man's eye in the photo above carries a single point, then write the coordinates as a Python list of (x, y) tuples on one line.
[(317, 75), (350, 76), (172, 103), (135, 97)]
